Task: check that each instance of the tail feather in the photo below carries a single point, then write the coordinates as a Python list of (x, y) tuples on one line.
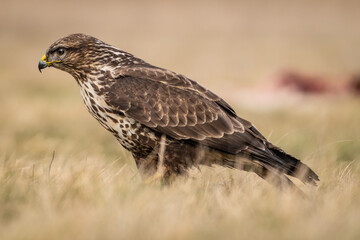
[(275, 158), (270, 163), (294, 167), (269, 174), (280, 181)]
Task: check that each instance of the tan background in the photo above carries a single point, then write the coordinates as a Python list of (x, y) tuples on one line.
[(93, 190)]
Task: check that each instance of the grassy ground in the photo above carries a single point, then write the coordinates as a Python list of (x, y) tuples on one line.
[(90, 189)]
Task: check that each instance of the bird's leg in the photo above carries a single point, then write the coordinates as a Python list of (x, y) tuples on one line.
[(160, 169)]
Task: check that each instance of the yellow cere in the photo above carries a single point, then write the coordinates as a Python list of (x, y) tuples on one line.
[(48, 63)]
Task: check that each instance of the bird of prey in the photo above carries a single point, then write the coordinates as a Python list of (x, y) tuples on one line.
[(166, 120)]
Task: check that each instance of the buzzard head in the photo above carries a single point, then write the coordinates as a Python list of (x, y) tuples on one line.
[(83, 55), (76, 54)]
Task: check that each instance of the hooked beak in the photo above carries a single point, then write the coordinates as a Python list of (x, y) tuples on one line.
[(43, 63)]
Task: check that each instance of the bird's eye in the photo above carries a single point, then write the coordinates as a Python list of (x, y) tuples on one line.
[(60, 51)]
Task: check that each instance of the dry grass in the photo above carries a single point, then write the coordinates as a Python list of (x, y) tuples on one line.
[(91, 189), (97, 193)]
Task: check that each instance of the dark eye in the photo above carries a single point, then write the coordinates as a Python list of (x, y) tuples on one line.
[(60, 51)]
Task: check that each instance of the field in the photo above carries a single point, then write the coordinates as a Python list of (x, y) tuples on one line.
[(62, 176)]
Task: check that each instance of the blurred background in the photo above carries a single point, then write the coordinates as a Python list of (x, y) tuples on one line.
[(239, 49), (245, 51)]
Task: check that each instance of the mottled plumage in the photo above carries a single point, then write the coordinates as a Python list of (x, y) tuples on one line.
[(166, 119)]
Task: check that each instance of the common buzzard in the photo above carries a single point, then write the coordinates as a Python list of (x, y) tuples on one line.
[(166, 120)]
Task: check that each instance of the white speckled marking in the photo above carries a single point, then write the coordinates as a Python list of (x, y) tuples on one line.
[(116, 128)]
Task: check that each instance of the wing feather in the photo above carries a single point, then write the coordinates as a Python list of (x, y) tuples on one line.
[(181, 108)]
